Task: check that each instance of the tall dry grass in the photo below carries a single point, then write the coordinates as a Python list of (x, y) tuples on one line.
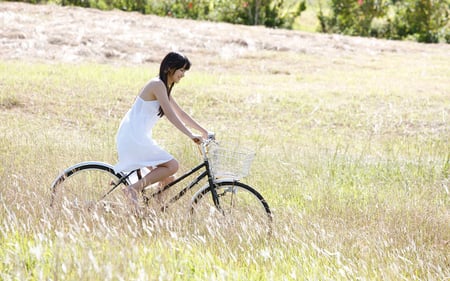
[(352, 156)]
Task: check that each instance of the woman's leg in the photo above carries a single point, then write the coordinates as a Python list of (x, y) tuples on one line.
[(160, 173), (162, 183), (166, 181)]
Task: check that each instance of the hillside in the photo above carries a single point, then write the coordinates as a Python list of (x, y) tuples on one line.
[(351, 137), (73, 34)]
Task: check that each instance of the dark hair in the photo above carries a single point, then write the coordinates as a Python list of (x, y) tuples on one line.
[(171, 62)]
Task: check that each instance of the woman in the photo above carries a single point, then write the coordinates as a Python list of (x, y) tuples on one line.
[(135, 146)]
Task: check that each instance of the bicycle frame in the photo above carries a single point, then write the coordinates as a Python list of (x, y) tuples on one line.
[(207, 173)]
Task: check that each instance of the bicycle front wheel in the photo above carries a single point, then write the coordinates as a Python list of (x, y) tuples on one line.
[(242, 210), (89, 186)]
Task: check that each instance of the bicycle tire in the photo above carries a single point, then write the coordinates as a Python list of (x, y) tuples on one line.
[(242, 208), (85, 186)]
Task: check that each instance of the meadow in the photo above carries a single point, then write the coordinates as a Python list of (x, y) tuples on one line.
[(352, 154)]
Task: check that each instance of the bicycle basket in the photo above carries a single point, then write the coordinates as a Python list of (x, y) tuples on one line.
[(230, 162)]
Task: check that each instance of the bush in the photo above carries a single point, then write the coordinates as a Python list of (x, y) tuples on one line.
[(352, 17), (271, 13), (422, 20)]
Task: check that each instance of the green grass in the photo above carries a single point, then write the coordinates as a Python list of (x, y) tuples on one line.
[(352, 155)]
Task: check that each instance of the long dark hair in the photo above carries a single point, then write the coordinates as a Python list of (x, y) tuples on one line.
[(171, 62)]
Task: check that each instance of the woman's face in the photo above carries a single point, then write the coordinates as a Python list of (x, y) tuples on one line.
[(177, 75)]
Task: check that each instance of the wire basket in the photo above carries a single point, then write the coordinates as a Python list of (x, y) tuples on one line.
[(230, 162)]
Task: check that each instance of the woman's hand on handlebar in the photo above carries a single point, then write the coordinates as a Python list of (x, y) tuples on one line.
[(197, 139)]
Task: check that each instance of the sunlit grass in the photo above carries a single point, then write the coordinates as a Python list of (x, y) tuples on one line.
[(352, 156)]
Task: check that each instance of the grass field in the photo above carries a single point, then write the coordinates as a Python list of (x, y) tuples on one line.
[(353, 156)]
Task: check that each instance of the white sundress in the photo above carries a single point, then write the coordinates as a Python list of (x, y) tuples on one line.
[(135, 146)]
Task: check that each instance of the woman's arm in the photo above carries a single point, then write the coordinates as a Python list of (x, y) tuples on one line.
[(159, 91)]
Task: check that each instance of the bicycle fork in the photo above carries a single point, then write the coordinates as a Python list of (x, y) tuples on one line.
[(212, 186)]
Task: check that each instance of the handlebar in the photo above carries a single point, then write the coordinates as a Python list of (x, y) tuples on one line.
[(211, 136), (205, 143)]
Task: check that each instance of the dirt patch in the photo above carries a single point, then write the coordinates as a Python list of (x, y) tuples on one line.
[(73, 34), (10, 102)]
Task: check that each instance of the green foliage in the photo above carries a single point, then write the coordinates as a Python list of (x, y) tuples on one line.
[(198, 9), (352, 17), (422, 20), (271, 13)]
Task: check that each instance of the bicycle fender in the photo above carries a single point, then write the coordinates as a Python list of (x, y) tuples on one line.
[(206, 186), (68, 172)]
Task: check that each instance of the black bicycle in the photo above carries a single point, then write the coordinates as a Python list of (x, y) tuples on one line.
[(223, 198)]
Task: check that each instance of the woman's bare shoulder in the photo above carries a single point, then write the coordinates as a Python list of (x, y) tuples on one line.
[(151, 89), (155, 81)]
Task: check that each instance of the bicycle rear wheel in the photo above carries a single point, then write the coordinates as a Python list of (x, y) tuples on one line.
[(242, 210), (89, 186)]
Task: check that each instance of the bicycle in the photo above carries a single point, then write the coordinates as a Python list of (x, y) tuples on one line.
[(92, 185)]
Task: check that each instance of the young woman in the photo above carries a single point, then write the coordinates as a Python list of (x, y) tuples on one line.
[(135, 145)]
